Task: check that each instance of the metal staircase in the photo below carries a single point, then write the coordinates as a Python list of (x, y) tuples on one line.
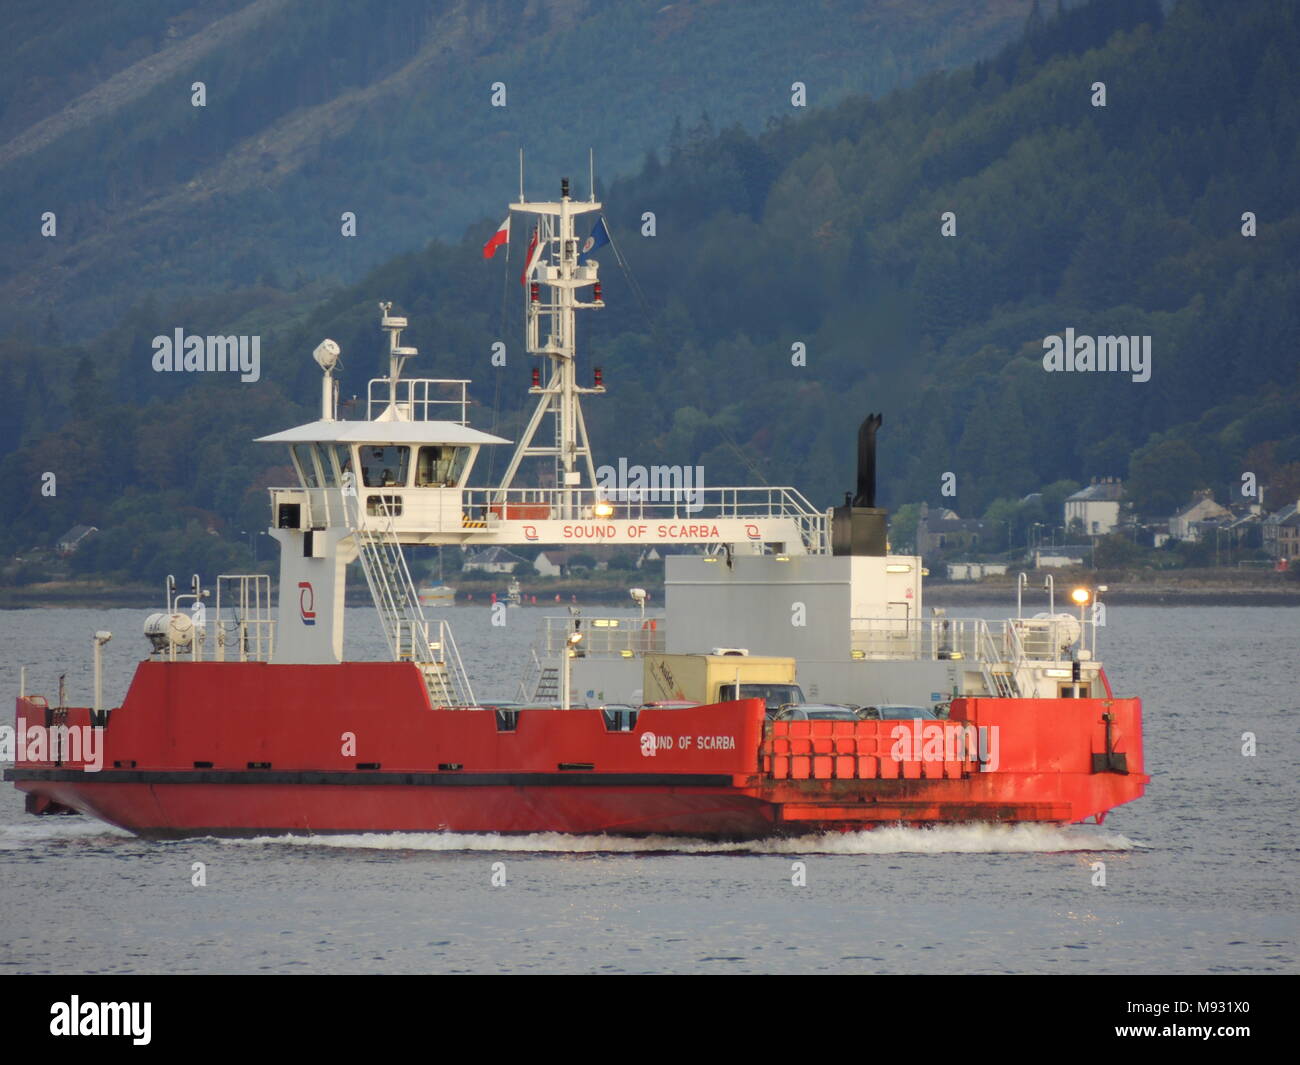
[(411, 638), (542, 685), (998, 665), (548, 685), (1001, 682)]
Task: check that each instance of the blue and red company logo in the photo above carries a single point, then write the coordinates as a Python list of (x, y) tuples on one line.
[(307, 602)]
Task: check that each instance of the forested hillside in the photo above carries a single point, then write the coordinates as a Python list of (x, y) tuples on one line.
[(823, 230), (384, 108)]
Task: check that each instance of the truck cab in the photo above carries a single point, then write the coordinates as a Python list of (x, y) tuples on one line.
[(725, 675)]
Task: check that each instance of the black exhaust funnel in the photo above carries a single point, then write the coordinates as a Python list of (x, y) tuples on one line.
[(866, 496), (858, 527)]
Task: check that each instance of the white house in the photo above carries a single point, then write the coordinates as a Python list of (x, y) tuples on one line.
[(1059, 557), (1184, 524), (1096, 507), (551, 563), (492, 560), (557, 561), (974, 571), (74, 538), (1281, 532)]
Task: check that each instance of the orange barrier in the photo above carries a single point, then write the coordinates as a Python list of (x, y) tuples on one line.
[(862, 750)]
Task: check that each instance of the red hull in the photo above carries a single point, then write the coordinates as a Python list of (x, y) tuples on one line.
[(251, 748)]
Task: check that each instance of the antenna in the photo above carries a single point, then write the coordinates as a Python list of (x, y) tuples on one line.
[(397, 356), (521, 176), (591, 174), (550, 333)]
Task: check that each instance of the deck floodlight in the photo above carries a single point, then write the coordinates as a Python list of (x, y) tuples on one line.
[(602, 508), (326, 354), (1081, 596)]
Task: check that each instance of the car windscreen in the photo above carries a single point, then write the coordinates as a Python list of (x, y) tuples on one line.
[(898, 713), (774, 695)]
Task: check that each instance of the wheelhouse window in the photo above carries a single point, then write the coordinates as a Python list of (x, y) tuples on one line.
[(326, 466), (384, 506), (343, 456), (303, 458), (440, 465), (384, 467)]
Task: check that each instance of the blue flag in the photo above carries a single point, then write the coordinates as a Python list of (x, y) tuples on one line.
[(599, 236)]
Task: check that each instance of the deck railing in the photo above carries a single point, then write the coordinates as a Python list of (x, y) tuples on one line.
[(605, 637), (668, 502), (420, 399), (244, 622), (1011, 642)]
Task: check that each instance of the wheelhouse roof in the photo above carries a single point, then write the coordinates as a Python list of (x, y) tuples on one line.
[(357, 432)]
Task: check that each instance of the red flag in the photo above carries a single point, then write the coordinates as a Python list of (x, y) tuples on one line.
[(501, 236), (530, 259)]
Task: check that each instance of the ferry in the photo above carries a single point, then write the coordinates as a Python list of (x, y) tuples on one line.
[(793, 682)]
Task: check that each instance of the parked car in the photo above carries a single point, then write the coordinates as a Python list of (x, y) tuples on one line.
[(896, 712), (817, 712)]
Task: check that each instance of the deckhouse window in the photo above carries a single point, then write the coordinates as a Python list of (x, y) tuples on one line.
[(326, 466), (383, 467), (302, 455), (343, 455), (440, 465)]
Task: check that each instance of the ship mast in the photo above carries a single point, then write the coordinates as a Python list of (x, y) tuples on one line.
[(554, 269)]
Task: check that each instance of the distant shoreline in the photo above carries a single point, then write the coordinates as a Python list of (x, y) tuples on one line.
[(1137, 594), (1232, 589)]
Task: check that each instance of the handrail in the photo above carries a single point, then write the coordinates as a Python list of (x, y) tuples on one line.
[(1013, 642), (384, 564), (253, 626), (673, 502), (494, 505), (413, 399), (614, 636)]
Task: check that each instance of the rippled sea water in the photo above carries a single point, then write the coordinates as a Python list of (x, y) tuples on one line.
[(1201, 873)]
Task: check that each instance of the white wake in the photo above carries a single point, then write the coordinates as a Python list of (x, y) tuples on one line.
[(54, 829), (941, 839)]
